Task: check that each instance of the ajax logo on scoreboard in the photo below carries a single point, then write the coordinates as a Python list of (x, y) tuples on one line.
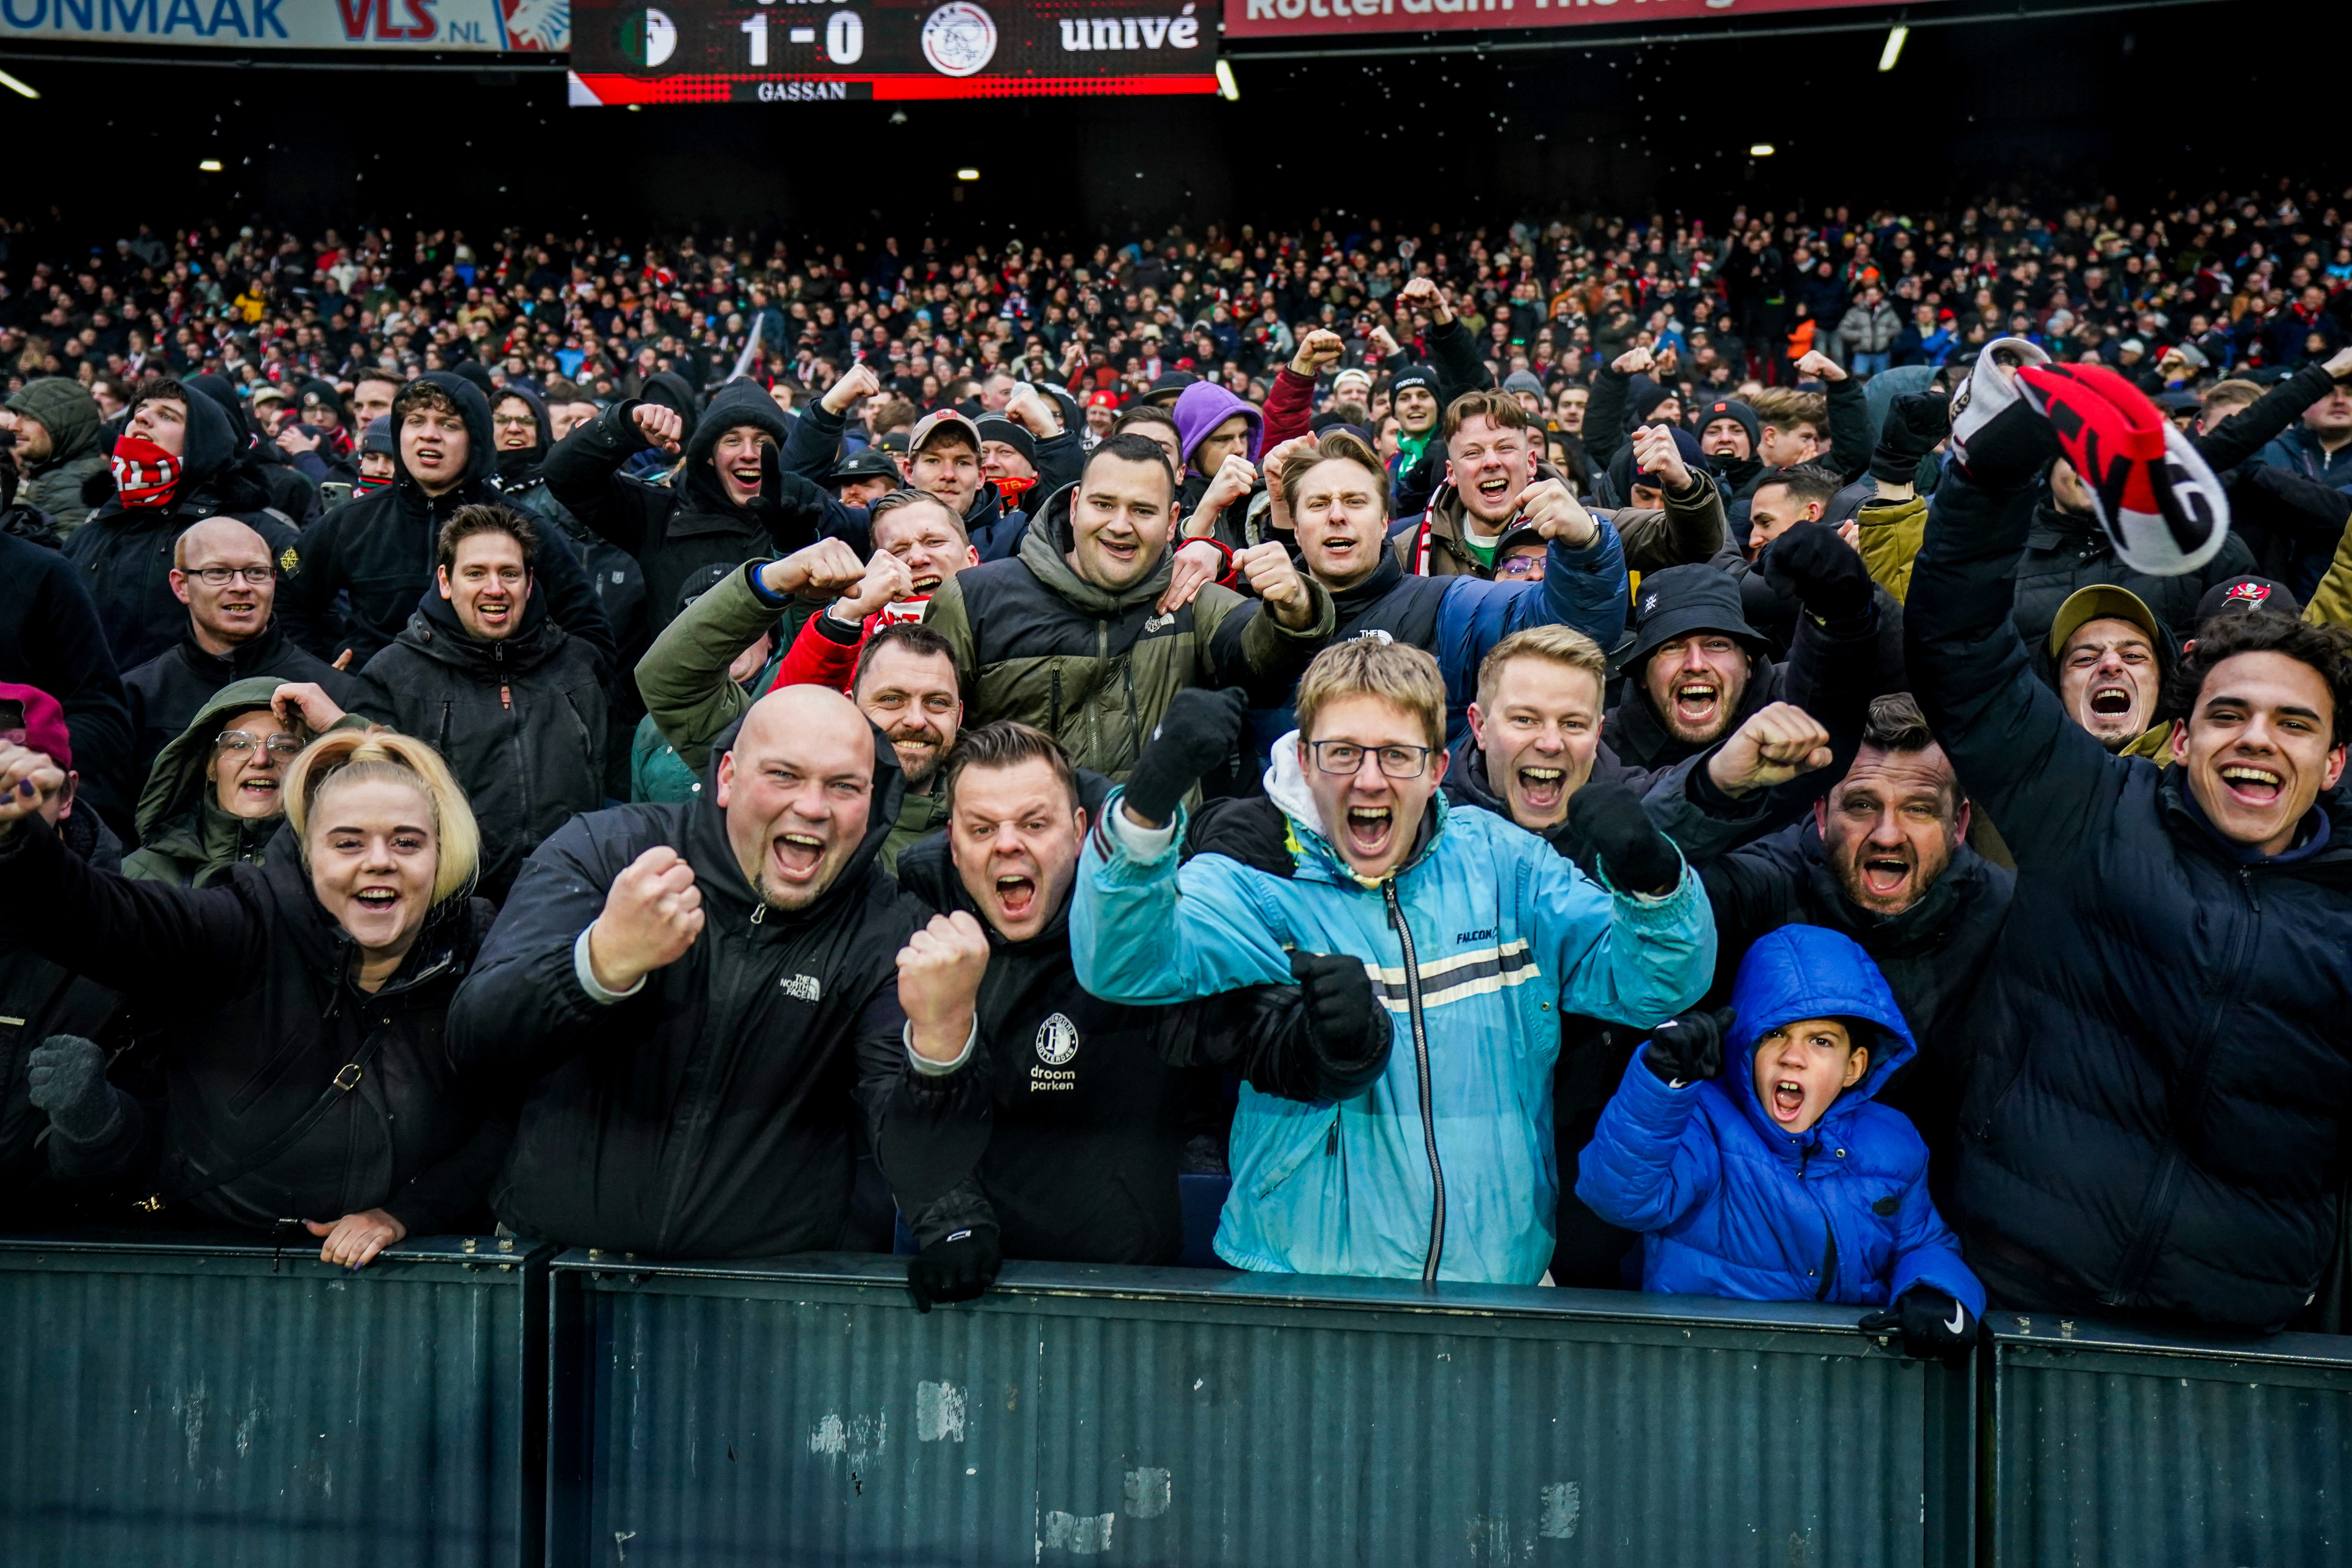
[(959, 38)]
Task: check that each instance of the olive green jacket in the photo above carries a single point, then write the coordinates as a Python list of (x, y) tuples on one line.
[(1095, 668)]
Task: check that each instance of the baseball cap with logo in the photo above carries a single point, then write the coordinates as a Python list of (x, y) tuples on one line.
[(2244, 595), (943, 419)]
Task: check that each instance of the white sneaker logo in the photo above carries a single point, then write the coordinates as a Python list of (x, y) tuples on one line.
[(1959, 1319)]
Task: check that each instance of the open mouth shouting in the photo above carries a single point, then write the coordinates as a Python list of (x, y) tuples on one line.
[(1698, 702), (796, 856), (746, 475), (2253, 784), (1542, 789), (1884, 875), (261, 790), (2112, 701), (1787, 1101), (1495, 490), (1016, 897), (1370, 830)]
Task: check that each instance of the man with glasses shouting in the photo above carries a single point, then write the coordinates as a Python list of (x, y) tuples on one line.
[(1477, 937), (223, 570)]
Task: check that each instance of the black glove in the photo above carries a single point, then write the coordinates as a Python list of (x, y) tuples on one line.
[(1915, 423), (1347, 1027), (65, 1075), (1934, 1326), (959, 1268), (1195, 734), (1636, 856), (1822, 571), (1687, 1048)]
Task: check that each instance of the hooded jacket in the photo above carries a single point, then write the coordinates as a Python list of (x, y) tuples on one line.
[(1933, 955), (1442, 1168), (1731, 1204), (1076, 1158), (1094, 668), (125, 553), (712, 1112), (77, 449), (381, 550), (2156, 1123), (520, 721), (166, 692), (292, 494), (678, 530), (250, 987), (50, 638), (1201, 408), (184, 837)]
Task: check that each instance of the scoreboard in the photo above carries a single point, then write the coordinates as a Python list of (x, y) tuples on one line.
[(817, 51)]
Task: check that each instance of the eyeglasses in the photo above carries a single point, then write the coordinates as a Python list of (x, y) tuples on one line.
[(1527, 566), (219, 576), (245, 741), (1345, 758), (513, 422)]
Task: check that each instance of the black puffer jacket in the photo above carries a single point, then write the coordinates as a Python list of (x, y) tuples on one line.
[(2064, 553), (2157, 1120), (381, 550), (714, 1113), (251, 984), (125, 553), (1077, 1162), (675, 531), (520, 722)]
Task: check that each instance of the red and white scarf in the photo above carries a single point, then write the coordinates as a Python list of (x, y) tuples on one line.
[(145, 474)]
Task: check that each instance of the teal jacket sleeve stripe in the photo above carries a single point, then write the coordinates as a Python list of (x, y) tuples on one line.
[(1145, 932)]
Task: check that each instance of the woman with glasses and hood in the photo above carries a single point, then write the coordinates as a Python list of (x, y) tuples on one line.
[(381, 549), (301, 1005), (216, 795), (1746, 1148)]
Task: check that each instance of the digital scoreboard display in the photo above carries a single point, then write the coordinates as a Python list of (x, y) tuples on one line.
[(819, 51)]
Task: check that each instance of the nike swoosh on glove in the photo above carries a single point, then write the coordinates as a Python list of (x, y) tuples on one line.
[(960, 1267), (1934, 1326)]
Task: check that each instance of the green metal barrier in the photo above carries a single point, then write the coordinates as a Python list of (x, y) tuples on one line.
[(803, 1412), (194, 1401), (2115, 1448)]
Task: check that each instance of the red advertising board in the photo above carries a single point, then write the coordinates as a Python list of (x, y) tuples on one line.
[(1327, 18), (817, 51)]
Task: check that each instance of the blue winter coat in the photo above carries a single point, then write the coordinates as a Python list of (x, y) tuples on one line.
[(1730, 1204), (1480, 945)]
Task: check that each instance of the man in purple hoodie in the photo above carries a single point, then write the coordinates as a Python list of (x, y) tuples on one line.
[(1221, 436)]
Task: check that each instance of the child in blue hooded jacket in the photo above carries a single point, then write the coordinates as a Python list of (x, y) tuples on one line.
[(1779, 1180)]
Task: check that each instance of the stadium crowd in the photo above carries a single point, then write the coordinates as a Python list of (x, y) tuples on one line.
[(1794, 760)]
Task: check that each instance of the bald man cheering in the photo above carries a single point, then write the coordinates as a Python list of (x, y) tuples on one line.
[(692, 992), (223, 570)]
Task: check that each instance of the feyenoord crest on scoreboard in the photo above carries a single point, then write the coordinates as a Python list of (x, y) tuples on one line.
[(817, 51)]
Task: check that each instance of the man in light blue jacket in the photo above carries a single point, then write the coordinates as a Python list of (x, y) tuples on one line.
[(1477, 937)]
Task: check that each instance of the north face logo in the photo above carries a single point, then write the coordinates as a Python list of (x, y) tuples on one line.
[(803, 988)]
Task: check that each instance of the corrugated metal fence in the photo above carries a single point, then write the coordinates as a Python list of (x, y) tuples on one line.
[(193, 1403), (2114, 1447), (803, 1414), (185, 1404)]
